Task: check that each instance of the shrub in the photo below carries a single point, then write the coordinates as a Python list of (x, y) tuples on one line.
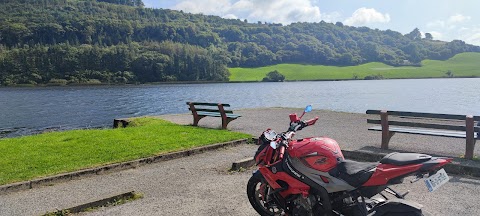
[(59, 82), (274, 76), (374, 77)]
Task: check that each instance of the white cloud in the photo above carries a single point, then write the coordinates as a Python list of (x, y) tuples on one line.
[(436, 35), (230, 16), (277, 11), (455, 27), (436, 24), (457, 18), (450, 23), (203, 6), (471, 35), (364, 16), (474, 38)]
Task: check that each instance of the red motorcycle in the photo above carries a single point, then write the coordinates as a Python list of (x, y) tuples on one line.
[(311, 177)]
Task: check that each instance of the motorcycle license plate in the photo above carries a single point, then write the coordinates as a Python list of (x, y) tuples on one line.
[(436, 180)]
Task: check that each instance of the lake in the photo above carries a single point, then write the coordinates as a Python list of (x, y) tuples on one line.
[(30, 110)]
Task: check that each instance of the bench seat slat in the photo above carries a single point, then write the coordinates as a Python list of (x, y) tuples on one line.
[(423, 125), (454, 134), (423, 115), (207, 104), (210, 110), (216, 114)]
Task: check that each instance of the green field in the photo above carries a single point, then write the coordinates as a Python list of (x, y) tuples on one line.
[(461, 65), (29, 157)]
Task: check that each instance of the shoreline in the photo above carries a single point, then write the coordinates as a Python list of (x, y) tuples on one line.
[(222, 82)]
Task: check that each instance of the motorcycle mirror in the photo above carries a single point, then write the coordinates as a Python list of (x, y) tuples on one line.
[(273, 144), (308, 108)]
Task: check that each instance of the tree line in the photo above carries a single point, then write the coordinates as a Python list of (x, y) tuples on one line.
[(85, 40), (61, 64)]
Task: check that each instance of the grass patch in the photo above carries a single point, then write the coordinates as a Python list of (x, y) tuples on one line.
[(29, 157), (461, 65)]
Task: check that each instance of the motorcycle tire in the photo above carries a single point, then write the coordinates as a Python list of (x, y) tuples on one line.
[(253, 192)]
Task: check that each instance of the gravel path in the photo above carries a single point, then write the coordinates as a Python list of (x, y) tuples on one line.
[(201, 185)]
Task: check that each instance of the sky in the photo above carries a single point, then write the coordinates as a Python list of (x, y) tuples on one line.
[(445, 19)]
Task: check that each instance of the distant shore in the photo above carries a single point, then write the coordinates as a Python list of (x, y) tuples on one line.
[(209, 82)]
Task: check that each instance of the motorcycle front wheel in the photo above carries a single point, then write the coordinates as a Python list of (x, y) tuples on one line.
[(258, 194)]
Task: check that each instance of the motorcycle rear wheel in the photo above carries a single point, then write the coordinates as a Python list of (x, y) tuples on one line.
[(265, 205)]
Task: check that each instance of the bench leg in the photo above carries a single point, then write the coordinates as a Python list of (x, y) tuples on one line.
[(386, 139), (386, 134), (470, 139), (117, 122), (196, 120), (225, 122)]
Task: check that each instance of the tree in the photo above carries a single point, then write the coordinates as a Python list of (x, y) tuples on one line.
[(449, 74), (414, 35), (428, 36), (274, 76)]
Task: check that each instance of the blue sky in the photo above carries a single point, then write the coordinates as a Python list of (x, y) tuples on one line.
[(444, 19)]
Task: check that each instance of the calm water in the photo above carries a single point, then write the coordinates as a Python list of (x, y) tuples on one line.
[(29, 110)]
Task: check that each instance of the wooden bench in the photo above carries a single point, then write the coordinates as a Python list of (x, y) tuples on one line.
[(445, 125), (201, 110)]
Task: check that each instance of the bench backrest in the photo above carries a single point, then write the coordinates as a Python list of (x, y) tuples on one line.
[(423, 115), (208, 107), (419, 115)]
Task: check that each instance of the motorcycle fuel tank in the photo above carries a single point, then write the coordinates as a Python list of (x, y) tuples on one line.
[(319, 153)]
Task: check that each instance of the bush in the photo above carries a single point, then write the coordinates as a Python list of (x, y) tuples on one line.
[(274, 76), (374, 77), (57, 82)]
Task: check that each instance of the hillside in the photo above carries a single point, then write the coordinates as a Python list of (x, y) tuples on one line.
[(461, 65), (120, 41)]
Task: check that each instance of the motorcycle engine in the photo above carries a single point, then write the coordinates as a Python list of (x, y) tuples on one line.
[(303, 206)]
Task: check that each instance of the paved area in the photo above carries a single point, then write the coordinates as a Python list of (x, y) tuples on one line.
[(201, 185), (350, 130)]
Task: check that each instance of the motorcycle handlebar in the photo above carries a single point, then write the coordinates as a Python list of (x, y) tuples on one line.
[(299, 125), (311, 121)]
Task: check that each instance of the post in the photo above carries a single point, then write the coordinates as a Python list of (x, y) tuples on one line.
[(470, 140), (224, 116), (194, 113), (115, 123), (385, 129)]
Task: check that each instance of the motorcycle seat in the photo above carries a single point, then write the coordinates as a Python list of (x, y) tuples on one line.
[(402, 159), (353, 172)]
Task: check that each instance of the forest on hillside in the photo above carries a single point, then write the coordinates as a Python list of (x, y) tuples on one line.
[(121, 41)]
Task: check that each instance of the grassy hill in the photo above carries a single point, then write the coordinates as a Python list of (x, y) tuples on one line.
[(461, 65)]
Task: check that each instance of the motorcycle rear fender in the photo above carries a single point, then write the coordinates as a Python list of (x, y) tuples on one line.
[(434, 164), (397, 206), (393, 174), (386, 172)]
